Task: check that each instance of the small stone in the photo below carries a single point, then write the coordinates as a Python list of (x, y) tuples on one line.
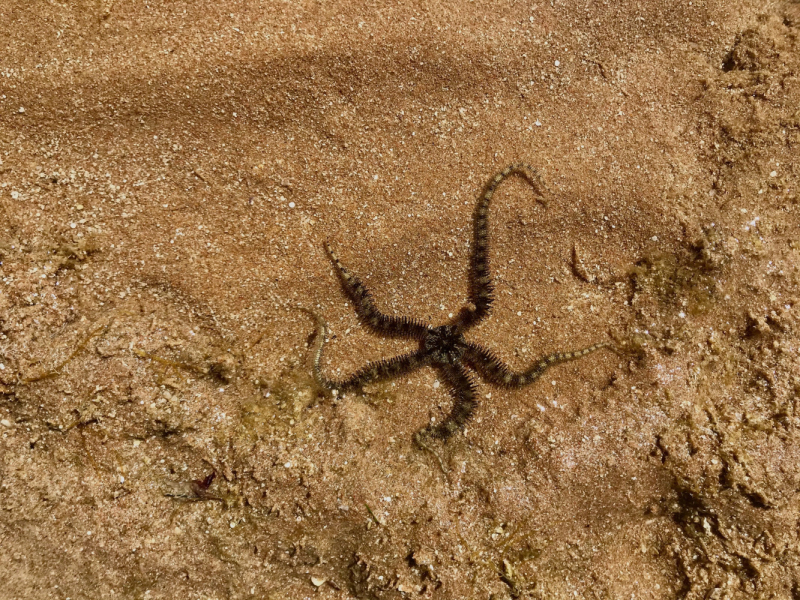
[(6, 423), (318, 581)]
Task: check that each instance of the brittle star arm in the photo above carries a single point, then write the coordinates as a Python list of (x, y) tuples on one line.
[(374, 372), (366, 310), (480, 282), (464, 404), (495, 371), (371, 373)]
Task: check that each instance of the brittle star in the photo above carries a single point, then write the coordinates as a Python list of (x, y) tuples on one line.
[(443, 347)]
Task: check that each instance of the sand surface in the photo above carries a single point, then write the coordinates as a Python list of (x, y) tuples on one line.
[(169, 172)]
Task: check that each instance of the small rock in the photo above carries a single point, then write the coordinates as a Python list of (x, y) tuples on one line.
[(223, 367), (5, 423), (318, 581)]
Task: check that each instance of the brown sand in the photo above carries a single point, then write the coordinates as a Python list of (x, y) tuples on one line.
[(168, 173)]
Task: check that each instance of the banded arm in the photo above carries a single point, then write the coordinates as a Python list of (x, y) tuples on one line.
[(374, 372), (496, 371), (371, 373), (366, 310), (464, 404), (481, 287)]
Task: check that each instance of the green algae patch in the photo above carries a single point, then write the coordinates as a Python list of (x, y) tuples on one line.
[(280, 403), (686, 279)]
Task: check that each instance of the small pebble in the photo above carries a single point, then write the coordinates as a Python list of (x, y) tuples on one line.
[(291, 204), (317, 581), (6, 423)]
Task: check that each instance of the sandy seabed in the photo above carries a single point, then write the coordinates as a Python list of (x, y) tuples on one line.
[(169, 172)]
